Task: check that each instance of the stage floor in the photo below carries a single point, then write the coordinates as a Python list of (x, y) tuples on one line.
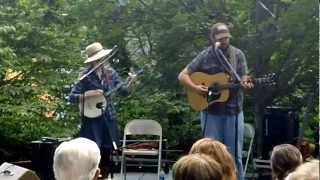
[(140, 176), (153, 176)]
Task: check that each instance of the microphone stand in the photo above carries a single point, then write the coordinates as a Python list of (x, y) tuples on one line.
[(220, 54), (114, 144)]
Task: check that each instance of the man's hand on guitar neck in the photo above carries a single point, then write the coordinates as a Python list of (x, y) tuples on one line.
[(93, 93), (247, 82)]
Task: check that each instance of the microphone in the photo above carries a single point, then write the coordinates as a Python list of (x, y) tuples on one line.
[(217, 44)]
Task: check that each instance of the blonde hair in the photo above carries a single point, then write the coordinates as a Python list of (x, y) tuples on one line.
[(77, 159), (284, 159), (218, 152), (308, 170), (195, 167)]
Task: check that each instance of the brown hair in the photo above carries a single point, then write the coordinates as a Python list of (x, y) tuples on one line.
[(195, 167), (218, 152), (284, 159)]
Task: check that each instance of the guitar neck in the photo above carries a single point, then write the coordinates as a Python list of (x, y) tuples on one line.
[(259, 80), (127, 82), (237, 85), (229, 86), (110, 92)]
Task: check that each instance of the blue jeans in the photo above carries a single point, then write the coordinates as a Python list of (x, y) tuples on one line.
[(222, 128)]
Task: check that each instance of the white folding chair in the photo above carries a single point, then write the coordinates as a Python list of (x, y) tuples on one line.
[(249, 133), (141, 127)]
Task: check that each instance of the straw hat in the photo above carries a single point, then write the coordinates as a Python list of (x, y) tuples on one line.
[(95, 52)]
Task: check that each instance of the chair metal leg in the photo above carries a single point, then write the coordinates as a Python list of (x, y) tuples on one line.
[(248, 157), (159, 166), (112, 165), (122, 164), (124, 169)]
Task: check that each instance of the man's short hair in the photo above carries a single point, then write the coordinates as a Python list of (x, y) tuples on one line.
[(77, 159)]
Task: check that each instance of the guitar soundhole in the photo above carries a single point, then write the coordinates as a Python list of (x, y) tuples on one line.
[(214, 96), (214, 92)]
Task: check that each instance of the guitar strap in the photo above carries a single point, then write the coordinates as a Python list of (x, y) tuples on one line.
[(232, 57), (82, 106), (106, 79)]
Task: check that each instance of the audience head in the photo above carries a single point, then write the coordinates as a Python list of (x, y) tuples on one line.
[(308, 170), (77, 159), (219, 153), (284, 159), (195, 167)]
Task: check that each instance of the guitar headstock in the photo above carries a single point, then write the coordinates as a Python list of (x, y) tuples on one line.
[(267, 80)]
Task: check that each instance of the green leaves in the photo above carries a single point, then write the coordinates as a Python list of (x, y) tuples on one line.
[(42, 41), (35, 45)]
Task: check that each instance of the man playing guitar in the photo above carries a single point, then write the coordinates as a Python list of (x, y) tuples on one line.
[(221, 121)]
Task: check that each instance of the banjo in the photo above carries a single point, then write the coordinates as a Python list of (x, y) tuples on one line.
[(93, 107)]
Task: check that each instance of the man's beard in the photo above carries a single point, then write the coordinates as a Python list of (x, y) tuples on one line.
[(224, 47)]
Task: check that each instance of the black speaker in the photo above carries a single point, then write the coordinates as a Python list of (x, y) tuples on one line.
[(280, 126), (42, 156), (13, 172)]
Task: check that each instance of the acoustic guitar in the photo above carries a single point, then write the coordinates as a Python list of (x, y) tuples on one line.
[(219, 88)]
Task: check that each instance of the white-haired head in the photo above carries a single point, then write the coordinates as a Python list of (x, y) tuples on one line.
[(308, 170), (77, 159)]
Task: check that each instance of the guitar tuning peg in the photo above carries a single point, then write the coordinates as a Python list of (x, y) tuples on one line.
[(116, 60)]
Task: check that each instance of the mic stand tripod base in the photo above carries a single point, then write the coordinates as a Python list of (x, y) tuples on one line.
[(114, 144)]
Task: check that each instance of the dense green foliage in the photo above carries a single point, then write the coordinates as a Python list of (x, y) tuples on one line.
[(41, 44)]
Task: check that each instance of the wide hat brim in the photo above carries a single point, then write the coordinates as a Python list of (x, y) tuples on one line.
[(98, 56)]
